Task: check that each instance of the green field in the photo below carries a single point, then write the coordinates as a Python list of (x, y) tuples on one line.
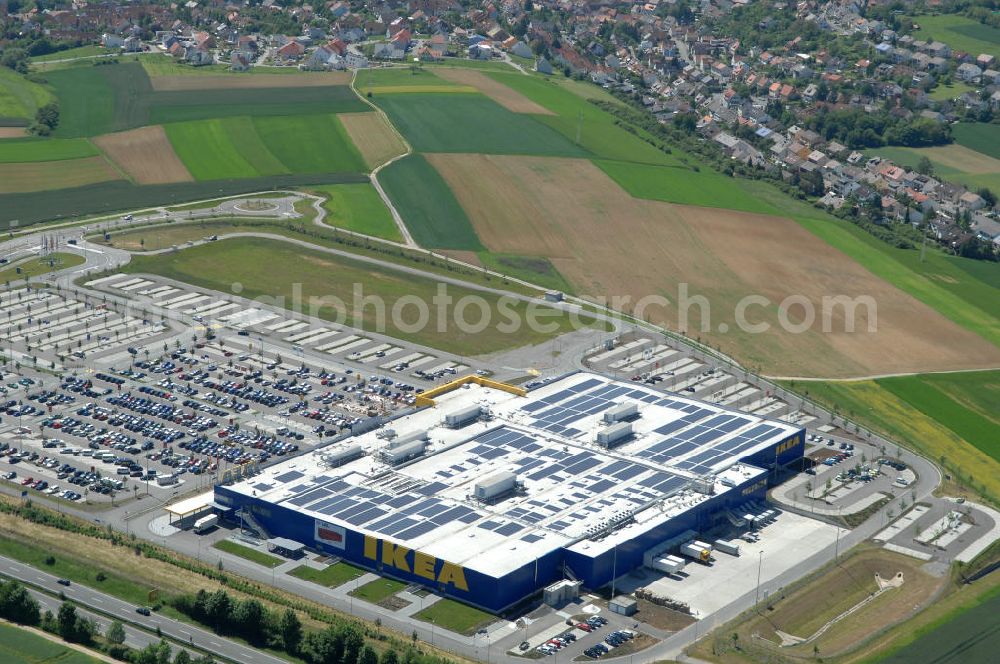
[(429, 208), (112, 196), (597, 129), (471, 123), (19, 646), (20, 98), (244, 147), (310, 143), (329, 285), (88, 51), (980, 137), (249, 553), (960, 33), (335, 575), (23, 150), (966, 403), (87, 99), (455, 616), (358, 208), (970, 637), (97, 100), (680, 185), (378, 590), (949, 417), (34, 267)]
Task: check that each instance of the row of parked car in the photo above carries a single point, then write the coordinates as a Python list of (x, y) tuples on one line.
[(613, 640), (557, 643)]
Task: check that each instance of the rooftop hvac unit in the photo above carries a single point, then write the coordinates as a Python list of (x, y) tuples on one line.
[(495, 485), (397, 454), (340, 457), (408, 438), (614, 434), (621, 412), (462, 417)]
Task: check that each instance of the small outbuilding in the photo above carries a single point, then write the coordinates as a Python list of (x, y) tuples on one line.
[(624, 605)]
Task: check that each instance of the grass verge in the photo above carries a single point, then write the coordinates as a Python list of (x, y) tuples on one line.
[(249, 553), (455, 616), (332, 576)]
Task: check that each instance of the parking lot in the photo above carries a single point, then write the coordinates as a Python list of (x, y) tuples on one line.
[(657, 362)]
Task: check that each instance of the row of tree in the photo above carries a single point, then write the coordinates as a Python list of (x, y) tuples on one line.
[(251, 620)]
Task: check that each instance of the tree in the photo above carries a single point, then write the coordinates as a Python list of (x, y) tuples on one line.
[(66, 621), (368, 656), (925, 167), (17, 605), (987, 196), (115, 633), (389, 657), (218, 610), (182, 657), (290, 629), (251, 621)]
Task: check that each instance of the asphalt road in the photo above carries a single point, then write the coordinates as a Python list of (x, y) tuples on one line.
[(126, 612)]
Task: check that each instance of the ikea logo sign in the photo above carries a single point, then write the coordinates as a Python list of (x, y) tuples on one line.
[(757, 486), (794, 441), (415, 562)]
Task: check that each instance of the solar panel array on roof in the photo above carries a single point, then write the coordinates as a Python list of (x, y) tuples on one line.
[(559, 411), (704, 462)]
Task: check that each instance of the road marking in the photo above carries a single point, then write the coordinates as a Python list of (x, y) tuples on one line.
[(98, 600), (83, 248)]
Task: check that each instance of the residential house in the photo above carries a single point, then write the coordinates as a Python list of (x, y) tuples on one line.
[(968, 72), (293, 50)]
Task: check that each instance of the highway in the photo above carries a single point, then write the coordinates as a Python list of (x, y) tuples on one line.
[(126, 612)]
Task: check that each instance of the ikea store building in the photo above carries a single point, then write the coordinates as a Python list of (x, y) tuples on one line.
[(491, 493)]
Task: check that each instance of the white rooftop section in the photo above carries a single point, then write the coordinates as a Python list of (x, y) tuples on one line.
[(573, 492)]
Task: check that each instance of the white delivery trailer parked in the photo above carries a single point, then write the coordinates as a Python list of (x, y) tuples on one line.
[(696, 551), (728, 546), (206, 523)]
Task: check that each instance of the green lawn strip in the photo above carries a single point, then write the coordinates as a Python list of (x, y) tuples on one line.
[(948, 92), (310, 143), (909, 158), (358, 208), (596, 128), (87, 51), (934, 401), (471, 123), (203, 205), (430, 210), (248, 553), (399, 76), (19, 646), (455, 616), (298, 229), (34, 266), (332, 576), (24, 150), (329, 285), (984, 138), (680, 185), (207, 150), (378, 590), (533, 269)]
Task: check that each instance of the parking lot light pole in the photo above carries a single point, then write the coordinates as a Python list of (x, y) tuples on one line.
[(760, 563)]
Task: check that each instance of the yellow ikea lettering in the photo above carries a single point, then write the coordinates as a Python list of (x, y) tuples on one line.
[(454, 575), (395, 555), (371, 548), (423, 565)]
